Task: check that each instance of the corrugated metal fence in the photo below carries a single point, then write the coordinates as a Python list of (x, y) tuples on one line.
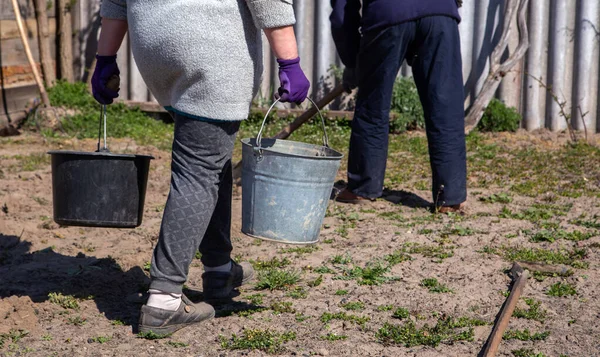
[(563, 55)]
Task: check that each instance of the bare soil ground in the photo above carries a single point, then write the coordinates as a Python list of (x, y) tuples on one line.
[(73, 291)]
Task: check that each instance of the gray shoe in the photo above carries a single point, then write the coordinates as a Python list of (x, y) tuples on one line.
[(164, 322), (217, 285)]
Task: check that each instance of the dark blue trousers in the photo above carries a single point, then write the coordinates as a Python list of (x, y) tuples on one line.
[(431, 45)]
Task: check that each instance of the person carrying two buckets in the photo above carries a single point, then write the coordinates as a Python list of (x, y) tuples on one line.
[(202, 61)]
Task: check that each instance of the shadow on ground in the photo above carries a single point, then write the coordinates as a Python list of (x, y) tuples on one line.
[(37, 274), (399, 197)]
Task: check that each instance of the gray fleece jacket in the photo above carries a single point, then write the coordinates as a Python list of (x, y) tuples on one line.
[(201, 58)]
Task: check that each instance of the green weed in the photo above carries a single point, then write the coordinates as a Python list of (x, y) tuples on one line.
[(13, 335), (99, 339), (401, 313), (176, 344), (560, 290), (77, 320), (553, 235), (283, 307), (535, 311), (66, 301), (341, 292), (298, 293), (275, 279), (397, 257), (525, 335), (447, 330), (47, 337), (527, 352), (353, 306), (301, 317), (324, 270), (306, 249), (255, 299), (561, 256), (272, 263), (440, 252), (256, 339), (587, 223), (326, 317), (342, 259), (151, 335), (117, 323), (316, 282), (497, 198), (385, 307), (435, 286)]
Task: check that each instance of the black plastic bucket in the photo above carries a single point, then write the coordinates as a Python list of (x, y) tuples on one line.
[(99, 189)]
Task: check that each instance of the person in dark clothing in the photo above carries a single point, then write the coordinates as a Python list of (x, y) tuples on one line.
[(373, 47)]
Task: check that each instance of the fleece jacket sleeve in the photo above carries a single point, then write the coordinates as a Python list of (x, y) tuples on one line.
[(272, 13), (114, 9)]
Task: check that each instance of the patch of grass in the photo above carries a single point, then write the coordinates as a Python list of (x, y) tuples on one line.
[(341, 259), (373, 273), (47, 337), (385, 307), (497, 198), (353, 306), (554, 235), (401, 313), (316, 282), (301, 317), (255, 299), (525, 335), (341, 292), (117, 323), (440, 252), (305, 249), (447, 330), (326, 317), (587, 223), (99, 339), (535, 311), (560, 290), (32, 162), (176, 344), (198, 255), (272, 263), (66, 301), (123, 122), (298, 293), (324, 270), (13, 335), (77, 320), (531, 214), (397, 257), (283, 307), (332, 336), (393, 216), (275, 279), (40, 200), (456, 230), (527, 352), (435, 286), (151, 335), (147, 266), (561, 256), (257, 339)]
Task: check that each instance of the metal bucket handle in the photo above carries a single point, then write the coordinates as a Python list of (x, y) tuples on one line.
[(259, 136)]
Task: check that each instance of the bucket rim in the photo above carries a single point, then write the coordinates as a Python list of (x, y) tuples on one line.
[(338, 155), (99, 154), (281, 241)]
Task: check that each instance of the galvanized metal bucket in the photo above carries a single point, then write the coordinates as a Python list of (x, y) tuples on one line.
[(286, 187)]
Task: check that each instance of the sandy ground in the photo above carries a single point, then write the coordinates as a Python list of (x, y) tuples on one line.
[(104, 270)]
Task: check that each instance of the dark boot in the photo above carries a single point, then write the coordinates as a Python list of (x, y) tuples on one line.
[(217, 285), (164, 322)]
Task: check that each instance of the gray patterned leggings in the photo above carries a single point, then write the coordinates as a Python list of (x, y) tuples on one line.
[(198, 211)]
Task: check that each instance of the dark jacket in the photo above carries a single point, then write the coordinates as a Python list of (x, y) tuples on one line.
[(347, 24)]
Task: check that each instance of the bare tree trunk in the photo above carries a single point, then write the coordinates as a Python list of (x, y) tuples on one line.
[(44, 43), (65, 38), (499, 69), (34, 68)]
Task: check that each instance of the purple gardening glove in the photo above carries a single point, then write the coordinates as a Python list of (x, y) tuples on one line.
[(293, 83), (106, 68)]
